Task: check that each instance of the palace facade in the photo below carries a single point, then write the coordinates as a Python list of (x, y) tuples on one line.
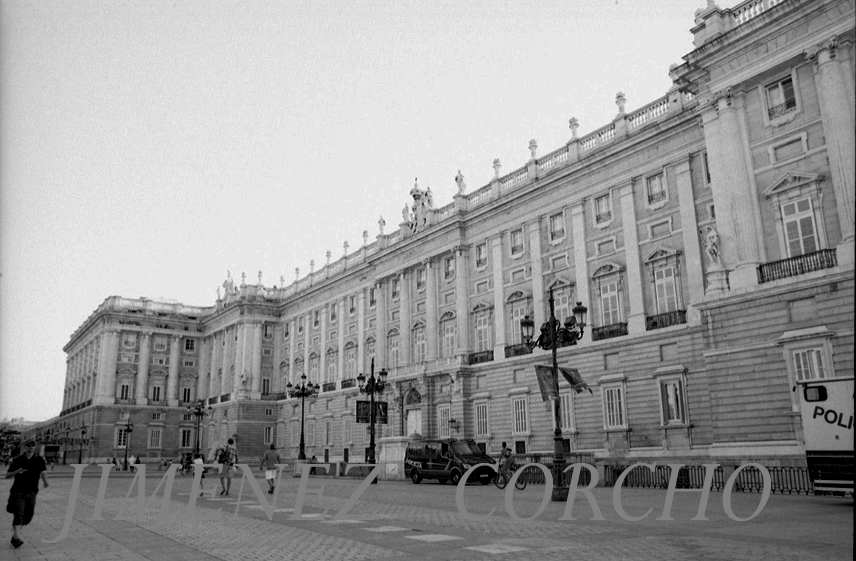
[(710, 234)]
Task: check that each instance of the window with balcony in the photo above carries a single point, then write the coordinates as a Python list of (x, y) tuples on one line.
[(267, 331), (159, 342), (156, 393), (799, 226), (557, 227), (186, 394), (314, 368), (419, 343), (610, 301), (481, 255), (316, 318), (372, 297), (705, 169), (350, 361), (190, 345), (395, 289), (483, 321), (266, 389), (448, 335), (370, 352), (516, 242), (655, 191), (332, 365), (420, 279), (125, 391), (602, 210), (666, 289), (300, 325), (352, 305), (781, 98), (129, 340), (298, 367), (449, 268)]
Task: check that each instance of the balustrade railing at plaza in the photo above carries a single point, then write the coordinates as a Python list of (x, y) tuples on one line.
[(517, 350), (274, 396), (608, 331), (666, 319), (328, 387), (349, 383), (225, 397), (479, 357)]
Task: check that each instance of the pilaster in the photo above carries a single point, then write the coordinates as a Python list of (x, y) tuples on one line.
[(462, 312), (580, 259), (256, 361), (172, 377), (142, 386), (498, 298), (406, 337), (431, 327), (636, 321), (538, 310), (361, 331), (692, 249), (380, 343)]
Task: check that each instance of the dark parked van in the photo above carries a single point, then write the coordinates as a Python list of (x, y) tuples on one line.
[(446, 460)]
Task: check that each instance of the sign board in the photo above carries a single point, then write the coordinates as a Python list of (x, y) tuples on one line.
[(381, 411)]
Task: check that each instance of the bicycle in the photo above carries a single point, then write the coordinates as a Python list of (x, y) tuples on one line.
[(502, 477)]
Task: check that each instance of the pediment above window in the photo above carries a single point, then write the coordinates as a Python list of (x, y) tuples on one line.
[(559, 282), (447, 316), (661, 253), (482, 307), (792, 180), (518, 295), (607, 269)]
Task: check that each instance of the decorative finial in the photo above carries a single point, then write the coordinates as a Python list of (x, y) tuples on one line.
[(296, 273), (345, 246), (620, 100), (282, 281), (260, 278), (574, 124), (497, 165), (381, 223), (365, 237), (311, 266), (243, 279), (533, 147), (329, 254)]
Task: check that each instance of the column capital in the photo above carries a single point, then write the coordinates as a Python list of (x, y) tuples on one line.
[(822, 52), (429, 262), (147, 333), (461, 249)]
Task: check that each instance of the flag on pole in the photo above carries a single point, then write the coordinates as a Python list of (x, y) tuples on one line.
[(572, 375), (545, 382)]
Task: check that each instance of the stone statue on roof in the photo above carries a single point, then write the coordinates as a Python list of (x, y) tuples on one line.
[(459, 181)]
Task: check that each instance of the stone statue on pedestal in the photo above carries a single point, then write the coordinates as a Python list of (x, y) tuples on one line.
[(711, 246)]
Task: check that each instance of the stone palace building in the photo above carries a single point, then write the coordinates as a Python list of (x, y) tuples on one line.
[(710, 234)]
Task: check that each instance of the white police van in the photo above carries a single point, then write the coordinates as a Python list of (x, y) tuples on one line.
[(826, 408)]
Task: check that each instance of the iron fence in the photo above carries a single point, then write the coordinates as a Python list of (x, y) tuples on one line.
[(783, 480)]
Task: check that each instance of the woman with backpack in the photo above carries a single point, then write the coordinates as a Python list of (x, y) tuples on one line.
[(227, 457)]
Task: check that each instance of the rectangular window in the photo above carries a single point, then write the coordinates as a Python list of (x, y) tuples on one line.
[(156, 393), (482, 421), (265, 385), (268, 435), (157, 416), (613, 407), (316, 318), (125, 391), (372, 297), (187, 416), (666, 289), (516, 240), (808, 364), (346, 430), (310, 433), (672, 394), (300, 324), (186, 438), (189, 362), (800, 232), (481, 255), (328, 432), (562, 302), (449, 268), (332, 360), (185, 395), (602, 210), (609, 302), (370, 351), (419, 344), (420, 279), (160, 343), (557, 227), (450, 338), (160, 360), (154, 438), (121, 438), (567, 411), (268, 411), (706, 168), (518, 312), (443, 416), (352, 305), (781, 98), (190, 345), (314, 368), (655, 189), (351, 362), (395, 289), (285, 330), (334, 312), (129, 340), (519, 410), (483, 326), (392, 346), (268, 331)]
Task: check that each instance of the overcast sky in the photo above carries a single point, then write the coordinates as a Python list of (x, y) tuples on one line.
[(147, 147)]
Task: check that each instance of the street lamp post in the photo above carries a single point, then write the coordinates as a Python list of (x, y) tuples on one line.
[(82, 438), (371, 387), (302, 391), (129, 428), (553, 335), (199, 411)]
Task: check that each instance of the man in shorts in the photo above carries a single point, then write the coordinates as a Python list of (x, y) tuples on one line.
[(228, 457), (269, 460), (26, 469)]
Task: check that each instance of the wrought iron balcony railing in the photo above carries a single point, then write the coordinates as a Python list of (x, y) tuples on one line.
[(225, 397), (478, 358), (213, 400), (793, 266), (274, 396), (349, 383), (608, 331), (517, 350), (666, 319), (328, 387), (782, 108)]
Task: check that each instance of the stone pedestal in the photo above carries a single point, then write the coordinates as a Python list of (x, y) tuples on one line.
[(717, 282), (391, 456)]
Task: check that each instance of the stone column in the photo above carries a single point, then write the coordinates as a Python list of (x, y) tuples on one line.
[(462, 312), (227, 362), (498, 298), (636, 321), (172, 376), (106, 393), (380, 344), (406, 337), (142, 386), (692, 250), (322, 358), (432, 329), (216, 364), (256, 361), (539, 313), (276, 384), (838, 126), (361, 332), (737, 221), (241, 358), (307, 321), (341, 338), (581, 270)]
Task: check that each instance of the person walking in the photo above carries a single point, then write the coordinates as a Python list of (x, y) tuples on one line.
[(198, 460), (227, 457), (26, 469), (131, 463), (269, 460)]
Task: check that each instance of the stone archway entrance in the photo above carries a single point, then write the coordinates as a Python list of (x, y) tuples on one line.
[(412, 412)]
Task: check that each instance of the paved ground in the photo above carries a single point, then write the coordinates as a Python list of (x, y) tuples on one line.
[(421, 522)]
